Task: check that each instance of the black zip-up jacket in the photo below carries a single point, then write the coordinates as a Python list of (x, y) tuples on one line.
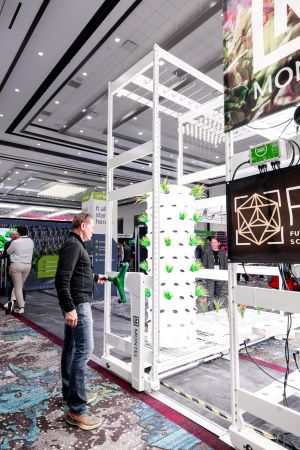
[(74, 275)]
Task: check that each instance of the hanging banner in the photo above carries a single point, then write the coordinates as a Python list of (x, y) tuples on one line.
[(263, 217), (261, 58)]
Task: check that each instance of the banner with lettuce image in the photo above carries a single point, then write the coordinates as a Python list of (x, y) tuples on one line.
[(261, 58)]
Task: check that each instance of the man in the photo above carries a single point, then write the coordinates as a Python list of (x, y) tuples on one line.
[(127, 252), (10, 304), (74, 284), (214, 258)]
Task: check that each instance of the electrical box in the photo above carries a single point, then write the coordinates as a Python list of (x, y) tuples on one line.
[(269, 151)]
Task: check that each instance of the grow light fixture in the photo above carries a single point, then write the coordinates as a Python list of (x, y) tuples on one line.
[(62, 191)]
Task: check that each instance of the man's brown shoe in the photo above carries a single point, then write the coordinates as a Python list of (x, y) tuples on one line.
[(84, 421)]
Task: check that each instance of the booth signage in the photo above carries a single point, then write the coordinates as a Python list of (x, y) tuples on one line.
[(269, 151), (263, 217), (261, 58)]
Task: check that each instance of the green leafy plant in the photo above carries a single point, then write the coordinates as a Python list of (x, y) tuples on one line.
[(168, 295), (141, 198), (217, 305), (258, 309), (201, 291), (195, 240), (203, 304), (145, 241), (169, 268), (197, 217), (195, 266), (168, 241), (144, 265), (143, 218), (242, 309), (147, 292), (198, 191), (182, 215), (165, 187)]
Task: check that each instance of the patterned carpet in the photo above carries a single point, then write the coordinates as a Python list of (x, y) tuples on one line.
[(31, 415)]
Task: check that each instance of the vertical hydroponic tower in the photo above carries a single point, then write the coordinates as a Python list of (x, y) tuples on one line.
[(178, 265)]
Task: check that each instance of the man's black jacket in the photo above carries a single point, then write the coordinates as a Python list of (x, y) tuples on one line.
[(74, 275)]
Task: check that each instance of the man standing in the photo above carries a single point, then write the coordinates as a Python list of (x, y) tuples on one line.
[(127, 252), (74, 284), (214, 258), (9, 305)]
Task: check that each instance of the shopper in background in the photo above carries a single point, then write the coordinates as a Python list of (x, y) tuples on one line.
[(214, 258), (9, 305), (127, 252), (120, 255), (74, 284), (20, 252)]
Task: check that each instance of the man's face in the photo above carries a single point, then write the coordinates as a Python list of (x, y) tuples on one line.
[(215, 244), (14, 235), (87, 228)]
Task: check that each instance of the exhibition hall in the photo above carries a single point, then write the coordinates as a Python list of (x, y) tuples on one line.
[(149, 211)]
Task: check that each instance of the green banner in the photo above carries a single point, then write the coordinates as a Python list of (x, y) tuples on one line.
[(47, 266)]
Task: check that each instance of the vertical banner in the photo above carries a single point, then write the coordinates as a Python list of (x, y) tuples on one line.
[(94, 203), (261, 58)]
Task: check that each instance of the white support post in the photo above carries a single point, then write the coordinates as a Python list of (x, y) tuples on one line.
[(232, 281), (138, 332), (156, 227), (180, 153), (108, 231)]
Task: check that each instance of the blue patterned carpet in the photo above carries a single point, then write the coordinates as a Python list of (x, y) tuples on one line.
[(31, 415)]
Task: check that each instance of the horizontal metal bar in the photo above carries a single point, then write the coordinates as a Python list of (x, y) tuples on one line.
[(130, 191), (201, 175), (190, 70), (273, 413), (131, 155), (203, 108), (118, 342), (239, 439), (140, 67), (211, 274), (268, 298)]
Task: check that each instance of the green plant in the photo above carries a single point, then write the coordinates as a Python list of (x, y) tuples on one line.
[(197, 217), (144, 265), (165, 187), (168, 241), (168, 295), (198, 191), (203, 304), (242, 309), (145, 241), (217, 305), (201, 291), (182, 215), (168, 268), (147, 292), (258, 309), (143, 218), (141, 198), (195, 266), (195, 240)]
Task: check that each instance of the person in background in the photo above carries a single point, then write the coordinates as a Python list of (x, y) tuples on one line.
[(214, 258), (120, 255), (20, 252), (127, 252), (198, 252), (74, 284), (9, 305)]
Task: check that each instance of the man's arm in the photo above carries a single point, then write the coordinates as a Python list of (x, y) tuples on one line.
[(11, 248)]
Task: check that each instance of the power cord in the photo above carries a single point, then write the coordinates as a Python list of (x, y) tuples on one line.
[(238, 167), (298, 147), (295, 359)]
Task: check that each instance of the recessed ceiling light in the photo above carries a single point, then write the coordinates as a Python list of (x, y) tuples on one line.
[(185, 147), (143, 167), (40, 120), (81, 131), (116, 141), (103, 178), (117, 39), (83, 110), (65, 171), (161, 63), (1, 115), (89, 117), (38, 145), (135, 118), (26, 165), (9, 179), (119, 94), (64, 126), (17, 90), (131, 183), (40, 53), (217, 157), (193, 162), (78, 153), (171, 156), (16, 172), (57, 102), (84, 74), (140, 133)]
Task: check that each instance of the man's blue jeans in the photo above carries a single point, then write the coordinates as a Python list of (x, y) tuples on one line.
[(78, 347)]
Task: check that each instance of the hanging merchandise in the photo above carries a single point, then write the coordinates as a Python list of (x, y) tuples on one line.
[(261, 58), (264, 217)]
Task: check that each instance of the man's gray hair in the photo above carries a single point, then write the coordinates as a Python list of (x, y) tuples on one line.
[(80, 218)]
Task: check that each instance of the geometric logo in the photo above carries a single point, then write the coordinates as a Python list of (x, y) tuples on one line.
[(258, 219)]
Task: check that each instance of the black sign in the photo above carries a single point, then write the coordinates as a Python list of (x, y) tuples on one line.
[(263, 217)]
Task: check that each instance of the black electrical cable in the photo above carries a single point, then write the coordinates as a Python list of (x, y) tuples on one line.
[(293, 157), (297, 145), (266, 373), (285, 127), (273, 126), (237, 168), (295, 359)]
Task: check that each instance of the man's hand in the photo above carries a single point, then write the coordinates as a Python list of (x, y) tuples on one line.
[(71, 318), (102, 279)]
